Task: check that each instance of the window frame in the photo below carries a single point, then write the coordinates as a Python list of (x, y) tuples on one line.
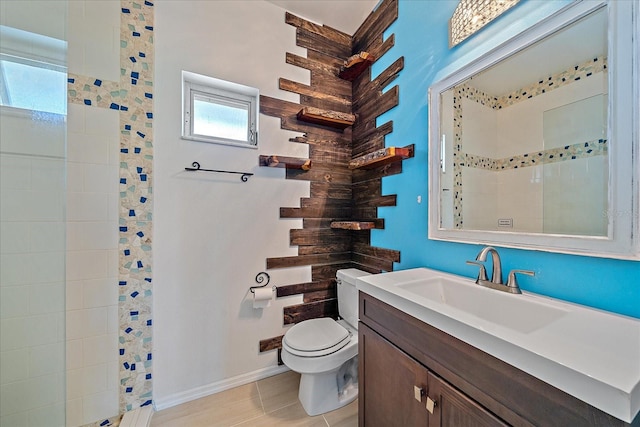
[(223, 93)]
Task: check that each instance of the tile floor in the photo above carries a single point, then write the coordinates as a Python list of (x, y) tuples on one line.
[(272, 401)]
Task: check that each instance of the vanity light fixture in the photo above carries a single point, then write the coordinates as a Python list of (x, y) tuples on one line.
[(472, 15)]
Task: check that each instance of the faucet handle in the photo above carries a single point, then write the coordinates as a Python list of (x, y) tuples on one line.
[(482, 274), (512, 282)]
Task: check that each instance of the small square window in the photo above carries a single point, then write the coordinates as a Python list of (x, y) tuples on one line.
[(218, 111)]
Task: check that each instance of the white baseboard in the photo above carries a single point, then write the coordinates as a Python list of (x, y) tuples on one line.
[(206, 390)]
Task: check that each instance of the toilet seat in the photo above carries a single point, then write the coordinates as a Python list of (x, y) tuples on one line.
[(316, 337)]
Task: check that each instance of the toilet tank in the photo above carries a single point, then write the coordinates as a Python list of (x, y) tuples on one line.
[(348, 294)]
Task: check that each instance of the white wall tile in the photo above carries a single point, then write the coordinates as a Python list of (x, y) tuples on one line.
[(41, 330), (46, 359), (87, 207), (100, 406), (14, 365), (74, 384), (47, 298), (100, 349), (74, 406), (14, 301), (48, 267), (47, 416), (16, 269), (102, 122), (86, 323), (19, 419), (15, 172), (100, 292), (48, 174), (94, 379), (74, 354), (14, 237), (47, 236), (74, 295), (101, 178), (86, 265)]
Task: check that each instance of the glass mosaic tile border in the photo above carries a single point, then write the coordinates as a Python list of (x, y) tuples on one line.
[(132, 96)]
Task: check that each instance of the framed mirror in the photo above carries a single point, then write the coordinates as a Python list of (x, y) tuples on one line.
[(535, 144)]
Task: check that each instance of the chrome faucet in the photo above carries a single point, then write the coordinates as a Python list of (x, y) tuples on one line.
[(496, 274)]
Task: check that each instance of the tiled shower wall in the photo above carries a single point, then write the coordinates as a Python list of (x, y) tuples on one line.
[(110, 121), (522, 174)]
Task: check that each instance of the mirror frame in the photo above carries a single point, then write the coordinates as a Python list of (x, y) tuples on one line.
[(622, 241)]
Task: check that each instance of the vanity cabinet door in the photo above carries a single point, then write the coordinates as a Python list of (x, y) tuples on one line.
[(392, 385), (454, 409)]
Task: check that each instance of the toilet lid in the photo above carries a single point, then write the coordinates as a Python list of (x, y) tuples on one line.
[(316, 337)]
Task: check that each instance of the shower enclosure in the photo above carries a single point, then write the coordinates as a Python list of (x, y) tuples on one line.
[(32, 213)]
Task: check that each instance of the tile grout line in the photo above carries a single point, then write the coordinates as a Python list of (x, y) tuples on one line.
[(264, 411)]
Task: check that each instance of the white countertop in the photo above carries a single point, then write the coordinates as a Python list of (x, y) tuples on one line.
[(590, 354)]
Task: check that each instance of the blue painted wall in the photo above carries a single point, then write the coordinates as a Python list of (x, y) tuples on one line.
[(421, 36)]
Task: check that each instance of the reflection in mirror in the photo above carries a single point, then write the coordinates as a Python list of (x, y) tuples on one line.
[(520, 141), (536, 133)]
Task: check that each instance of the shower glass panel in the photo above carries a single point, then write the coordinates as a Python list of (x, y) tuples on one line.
[(32, 213)]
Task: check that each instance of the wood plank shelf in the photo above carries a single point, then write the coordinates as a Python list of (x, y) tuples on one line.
[(285, 162), (353, 225), (381, 157), (355, 65), (334, 119)]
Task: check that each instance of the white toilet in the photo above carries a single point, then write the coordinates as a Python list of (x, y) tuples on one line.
[(325, 351)]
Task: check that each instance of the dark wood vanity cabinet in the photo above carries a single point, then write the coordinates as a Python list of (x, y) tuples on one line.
[(408, 368), (394, 390)]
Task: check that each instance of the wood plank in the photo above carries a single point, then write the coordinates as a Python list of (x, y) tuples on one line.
[(364, 133), (337, 36), (319, 295), (319, 43), (344, 245), (343, 100), (315, 212), (270, 344), (331, 190), (365, 249), (317, 202), (300, 288), (277, 107), (329, 154), (312, 65), (366, 190), (353, 225), (298, 313), (311, 237), (372, 262), (386, 170), (376, 106), (334, 119), (284, 162), (367, 89), (320, 175), (379, 201), (375, 24), (380, 157), (356, 65), (302, 260), (328, 271), (337, 141)]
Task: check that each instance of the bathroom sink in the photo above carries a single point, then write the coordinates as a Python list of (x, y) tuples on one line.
[(588, 353), (507, 310)]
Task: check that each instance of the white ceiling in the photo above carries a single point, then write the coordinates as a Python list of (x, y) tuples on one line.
[(571, 46), (343, 15)]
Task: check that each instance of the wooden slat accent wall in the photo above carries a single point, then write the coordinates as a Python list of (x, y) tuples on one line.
[(337, 193)]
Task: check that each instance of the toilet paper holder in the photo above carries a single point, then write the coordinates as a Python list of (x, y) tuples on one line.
[(259, 279)]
